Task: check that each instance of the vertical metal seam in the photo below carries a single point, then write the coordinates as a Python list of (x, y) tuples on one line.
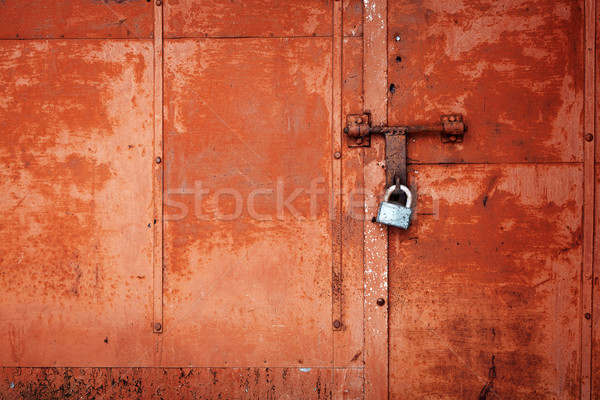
[(587, 274), (336, 205), (157, 266)]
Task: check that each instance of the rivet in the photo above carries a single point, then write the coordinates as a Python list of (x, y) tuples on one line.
[(452, 138), (397, 38), (359, 141), (337, 155), (451, 118), (358, 120), (589, 137), (380, 301), (158, 160), (157, 326), (588, 315), (337, 324), (158, 2)]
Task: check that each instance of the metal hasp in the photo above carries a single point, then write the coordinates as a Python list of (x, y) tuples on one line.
[(359, 130)]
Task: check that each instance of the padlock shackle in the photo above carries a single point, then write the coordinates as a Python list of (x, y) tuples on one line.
[(406, 191)]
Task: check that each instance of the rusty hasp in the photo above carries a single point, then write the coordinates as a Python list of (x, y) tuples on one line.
[(452, 129), (358, 127)]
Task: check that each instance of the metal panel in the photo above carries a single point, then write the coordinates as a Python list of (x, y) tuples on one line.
[(180, 383), (76, 19), (258, 18), (248, 251), (513, 68), (486, 287), (75, 237)]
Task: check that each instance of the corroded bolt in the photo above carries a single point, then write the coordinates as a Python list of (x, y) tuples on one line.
[(157, 326), (380, 301), (358, 120), (588, 315), (359, 141), (337, 155), (589, 137), (452, 138), (158, 160), (337, 324), (451, 118), (158, 2)]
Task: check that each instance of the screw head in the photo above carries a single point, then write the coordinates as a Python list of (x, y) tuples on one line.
[(451, 118), (337, 155), (380, 301), (452, 138), (588, 315), (157, 326), (588, 137), (358, 120), (397, 38), (359, 141), (158, 160), (158, 2), (337, 324)]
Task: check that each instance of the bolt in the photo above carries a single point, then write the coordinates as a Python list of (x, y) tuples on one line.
[(337, 155), (451, 118), (397, 38), (158, 160), (158, 2), (380, 301), (589, 137), (359, 141), (452, 138), (157, 326), (588, 315), (359, 120), (337, 324)]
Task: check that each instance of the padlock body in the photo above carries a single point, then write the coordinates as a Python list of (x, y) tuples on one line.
[(394, 214)]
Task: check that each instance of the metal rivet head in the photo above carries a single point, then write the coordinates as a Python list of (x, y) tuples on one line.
[(337, 324), (589, 137), (337, 155), (158, 2), (157, 326), (397, 38), (158, 160), (451, 118), (358, 120), (380, 301), (588, 315), (359, 141)]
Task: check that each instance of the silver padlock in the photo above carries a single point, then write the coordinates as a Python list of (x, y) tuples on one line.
[(395, 214)]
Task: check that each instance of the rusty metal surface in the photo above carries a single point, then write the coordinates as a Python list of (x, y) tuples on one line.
[(258, 18), (485, 287), (179, 383), (248, 268), (76, 19), (513, 68), (75, 243)]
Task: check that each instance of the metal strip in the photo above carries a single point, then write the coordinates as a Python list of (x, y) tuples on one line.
[(157, 184), (376, 236), (395, 159), (336, 225), (588, 200)]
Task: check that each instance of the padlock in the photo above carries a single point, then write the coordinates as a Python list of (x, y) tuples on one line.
[(395, 214)]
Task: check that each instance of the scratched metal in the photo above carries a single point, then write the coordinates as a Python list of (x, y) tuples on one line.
[(75, 246), (513, 68), (485, 287), (76, 19), (247, 271)]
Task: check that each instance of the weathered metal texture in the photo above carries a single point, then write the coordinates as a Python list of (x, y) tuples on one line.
[(76, 19), (348, 343), (75, 237), (180, 383), (248, 274), (353, 18), (595, 317), (485, 288), (375, 235), (513, 68), (258, 18)]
